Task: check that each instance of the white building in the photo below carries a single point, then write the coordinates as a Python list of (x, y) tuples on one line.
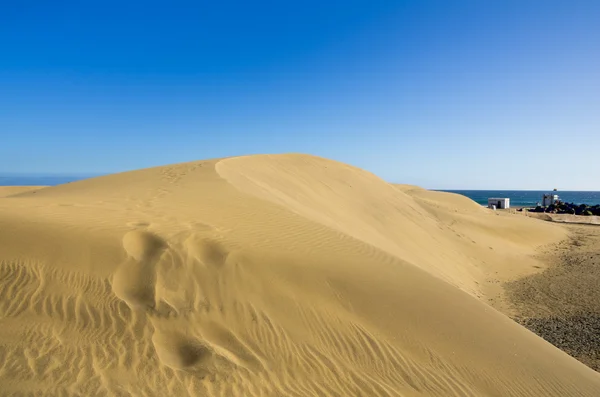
[(549, 199), (500, 203)]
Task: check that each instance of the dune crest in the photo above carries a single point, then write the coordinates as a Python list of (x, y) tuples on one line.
[(285, 275)]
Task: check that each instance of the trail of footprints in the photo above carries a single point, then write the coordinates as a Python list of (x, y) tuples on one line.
[(176, 288), (174, 305)]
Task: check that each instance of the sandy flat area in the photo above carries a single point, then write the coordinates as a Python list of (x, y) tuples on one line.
[(562, 303), (274, 275), (566, 218)]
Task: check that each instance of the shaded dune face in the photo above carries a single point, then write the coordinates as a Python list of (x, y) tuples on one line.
[(281, 275)]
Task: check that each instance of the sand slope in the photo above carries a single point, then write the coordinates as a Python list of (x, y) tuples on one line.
[(284, 275), (6, 191)]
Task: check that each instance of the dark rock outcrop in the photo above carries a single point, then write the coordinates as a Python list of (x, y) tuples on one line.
[(561, 207)]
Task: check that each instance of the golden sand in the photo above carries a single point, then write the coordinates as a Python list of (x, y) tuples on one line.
[(287, 275)]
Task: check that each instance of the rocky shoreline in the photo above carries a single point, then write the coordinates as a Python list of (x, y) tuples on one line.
[(569, 208)]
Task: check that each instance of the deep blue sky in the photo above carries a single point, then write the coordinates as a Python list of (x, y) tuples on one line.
[(443, 94)]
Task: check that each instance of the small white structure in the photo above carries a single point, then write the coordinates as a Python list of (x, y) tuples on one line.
[(500, 203), (549, 199)]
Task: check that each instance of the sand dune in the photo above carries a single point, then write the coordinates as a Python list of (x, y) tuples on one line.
[(286, 275), (6, 191)]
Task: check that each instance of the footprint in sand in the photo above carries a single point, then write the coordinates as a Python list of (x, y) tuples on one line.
[(207, 251), (200, 226), (200, 346), (175, 278), (179, 351), (134, 280), (138, 224)]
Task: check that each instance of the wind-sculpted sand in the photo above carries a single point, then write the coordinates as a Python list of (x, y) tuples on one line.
[(287, 275)]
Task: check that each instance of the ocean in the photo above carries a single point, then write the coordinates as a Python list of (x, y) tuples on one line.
[(39, 180), (527, 198)]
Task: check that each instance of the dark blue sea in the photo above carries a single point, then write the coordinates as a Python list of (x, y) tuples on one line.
[(39, 180), (521, 198)]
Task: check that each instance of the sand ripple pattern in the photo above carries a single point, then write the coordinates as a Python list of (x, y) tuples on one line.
[(201, 331), (185, 330), (318, 281)]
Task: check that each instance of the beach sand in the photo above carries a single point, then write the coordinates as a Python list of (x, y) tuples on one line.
[(562, 304), (565, 218), (274, 275)]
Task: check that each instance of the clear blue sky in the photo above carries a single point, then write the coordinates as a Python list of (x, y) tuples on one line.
[(443, 94)]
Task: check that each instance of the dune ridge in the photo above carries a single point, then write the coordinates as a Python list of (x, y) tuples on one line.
[(274, 275)]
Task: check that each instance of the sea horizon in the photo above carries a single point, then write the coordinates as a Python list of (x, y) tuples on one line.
[(528, 198), (42, 179)]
